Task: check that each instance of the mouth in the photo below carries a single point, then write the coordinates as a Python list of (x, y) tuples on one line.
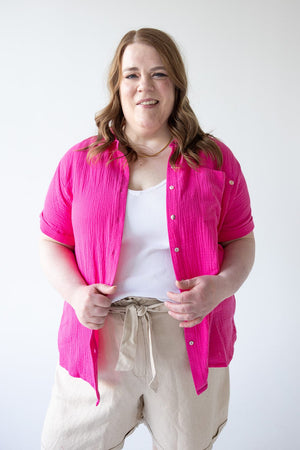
[(148, 102)]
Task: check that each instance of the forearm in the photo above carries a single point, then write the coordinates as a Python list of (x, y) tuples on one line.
[(60, 266), (237, 263)]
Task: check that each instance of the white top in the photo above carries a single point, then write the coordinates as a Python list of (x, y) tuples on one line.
[(145, 267)]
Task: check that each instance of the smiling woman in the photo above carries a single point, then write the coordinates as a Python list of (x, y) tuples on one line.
[(182, 122), (147, 235), (147, 95)]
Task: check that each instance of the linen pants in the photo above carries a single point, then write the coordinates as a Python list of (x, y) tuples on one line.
[(144, 377)]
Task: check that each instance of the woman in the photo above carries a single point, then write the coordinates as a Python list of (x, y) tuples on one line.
[(147, 234)]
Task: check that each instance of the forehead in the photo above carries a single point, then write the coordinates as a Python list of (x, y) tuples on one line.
[(138, 54)]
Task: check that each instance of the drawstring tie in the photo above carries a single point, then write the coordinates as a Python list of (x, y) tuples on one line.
[(128, 348)]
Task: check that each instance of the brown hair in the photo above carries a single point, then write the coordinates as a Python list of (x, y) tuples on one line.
[(182, 123)]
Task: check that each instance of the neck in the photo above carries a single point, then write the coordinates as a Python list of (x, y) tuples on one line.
[(149, 145)]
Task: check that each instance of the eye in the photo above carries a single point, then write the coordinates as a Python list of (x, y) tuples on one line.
[(131, 76), (159, 75)]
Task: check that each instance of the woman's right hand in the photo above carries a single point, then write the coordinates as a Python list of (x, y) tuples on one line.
[(91, 304)]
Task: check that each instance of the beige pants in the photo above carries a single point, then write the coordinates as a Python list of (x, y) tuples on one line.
[(144, 377)]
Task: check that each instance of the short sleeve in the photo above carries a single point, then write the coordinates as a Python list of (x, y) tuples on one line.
[(56, 217), (236, 217)]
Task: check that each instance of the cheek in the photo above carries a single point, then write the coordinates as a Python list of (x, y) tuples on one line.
[(169, 94), (170, 100), (125, 97), (127, 89)]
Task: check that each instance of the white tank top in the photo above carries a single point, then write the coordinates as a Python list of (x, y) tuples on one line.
[(145, 267)]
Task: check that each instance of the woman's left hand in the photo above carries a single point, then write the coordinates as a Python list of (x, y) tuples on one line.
[(204, 293), (199, 297)]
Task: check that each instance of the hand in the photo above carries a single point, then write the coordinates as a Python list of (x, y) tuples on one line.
[(91, 304), (199, 297)]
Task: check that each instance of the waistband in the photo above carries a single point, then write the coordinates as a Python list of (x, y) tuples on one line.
[(137, 309)]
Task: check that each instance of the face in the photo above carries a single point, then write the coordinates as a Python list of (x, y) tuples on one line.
[(147, 93)]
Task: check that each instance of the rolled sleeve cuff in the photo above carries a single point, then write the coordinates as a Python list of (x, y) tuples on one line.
[(54, 233)]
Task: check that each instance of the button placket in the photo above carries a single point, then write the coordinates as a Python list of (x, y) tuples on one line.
[(173, 216)]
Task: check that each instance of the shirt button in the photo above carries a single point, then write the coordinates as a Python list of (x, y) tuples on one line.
[(171, 187), (173, 216), (231, 182), (191, 342), (176, 249)]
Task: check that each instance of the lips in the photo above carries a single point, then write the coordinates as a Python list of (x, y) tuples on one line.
[(147, 102)]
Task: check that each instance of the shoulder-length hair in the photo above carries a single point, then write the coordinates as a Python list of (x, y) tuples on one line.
[(182, 123)]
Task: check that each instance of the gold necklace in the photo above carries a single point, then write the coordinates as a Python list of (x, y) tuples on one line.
[(144, 155)]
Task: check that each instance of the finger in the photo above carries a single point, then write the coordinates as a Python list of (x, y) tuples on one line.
[(191, 323), (188, 284), (182, 317), (184, 308), (105, 289), (176, 297), (99, 311), (94, 326), (101, 301), (95, 320)]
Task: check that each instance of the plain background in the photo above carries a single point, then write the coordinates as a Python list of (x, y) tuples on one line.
[(243, 63)]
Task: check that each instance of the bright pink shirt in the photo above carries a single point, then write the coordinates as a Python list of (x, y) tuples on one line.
[(85, 208)]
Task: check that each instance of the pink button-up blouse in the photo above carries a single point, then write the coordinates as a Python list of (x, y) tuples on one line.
[(85, 208)]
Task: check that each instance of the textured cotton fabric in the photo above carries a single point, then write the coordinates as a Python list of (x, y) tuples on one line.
[(85, 208)]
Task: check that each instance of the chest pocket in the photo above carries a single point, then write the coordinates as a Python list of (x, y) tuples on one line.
[(209, 188), (194, 231)]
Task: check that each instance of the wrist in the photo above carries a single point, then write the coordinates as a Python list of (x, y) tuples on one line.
[(74, 294), (225, 286)]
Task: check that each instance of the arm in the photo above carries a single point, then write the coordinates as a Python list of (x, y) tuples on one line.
[(90, 302), (204, 293)]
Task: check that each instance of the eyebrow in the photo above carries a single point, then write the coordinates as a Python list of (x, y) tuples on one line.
[(130, 69)]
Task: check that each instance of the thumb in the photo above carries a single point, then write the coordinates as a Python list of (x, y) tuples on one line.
[(188, 284), (105, 289)]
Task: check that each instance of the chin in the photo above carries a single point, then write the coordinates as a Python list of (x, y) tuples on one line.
[(151, 127)]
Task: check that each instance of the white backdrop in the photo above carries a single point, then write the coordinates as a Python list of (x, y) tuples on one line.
[(243, 66)]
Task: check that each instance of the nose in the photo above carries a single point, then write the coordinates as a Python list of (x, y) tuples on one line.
[(145, 83)]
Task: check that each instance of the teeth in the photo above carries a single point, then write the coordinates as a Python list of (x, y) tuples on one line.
[(150, 102)]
